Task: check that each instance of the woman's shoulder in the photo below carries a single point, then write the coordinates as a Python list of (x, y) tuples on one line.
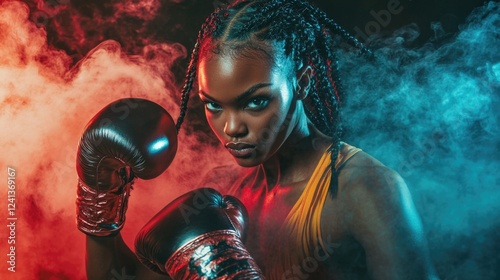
[(362, 168), (365, 183), (378, 211), (364, 178)]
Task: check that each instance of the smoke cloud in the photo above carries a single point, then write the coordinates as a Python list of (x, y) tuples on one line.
[(430, 112), (45, 103)]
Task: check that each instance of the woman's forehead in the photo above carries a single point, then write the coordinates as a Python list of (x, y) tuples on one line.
[(227, 64), (221, 69), (228, 74), (272, 51)]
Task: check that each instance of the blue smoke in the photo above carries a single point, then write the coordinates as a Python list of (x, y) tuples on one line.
[(432, 114)]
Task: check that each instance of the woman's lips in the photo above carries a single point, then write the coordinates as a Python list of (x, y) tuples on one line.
[(240, 150)]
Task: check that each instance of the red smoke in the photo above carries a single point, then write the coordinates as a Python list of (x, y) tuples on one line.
[(46, 101)]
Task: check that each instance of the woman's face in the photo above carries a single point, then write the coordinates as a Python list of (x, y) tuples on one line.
[(249, 104)]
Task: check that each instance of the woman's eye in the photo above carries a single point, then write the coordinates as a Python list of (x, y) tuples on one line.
[(211, 106), (258, 103)]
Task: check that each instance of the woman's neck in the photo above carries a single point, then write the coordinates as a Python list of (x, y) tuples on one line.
[(296, 159)]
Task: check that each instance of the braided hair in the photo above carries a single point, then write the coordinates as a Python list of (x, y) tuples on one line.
[(309, 37)]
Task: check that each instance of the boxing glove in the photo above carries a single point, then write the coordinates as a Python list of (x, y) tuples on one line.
[(198, 236), (129, 138)]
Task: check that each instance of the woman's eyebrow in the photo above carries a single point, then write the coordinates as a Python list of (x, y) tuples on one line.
[(242, 96), (251, 90)]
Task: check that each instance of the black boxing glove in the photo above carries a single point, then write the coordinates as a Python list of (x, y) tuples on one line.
[(129, 138), (198, 236)]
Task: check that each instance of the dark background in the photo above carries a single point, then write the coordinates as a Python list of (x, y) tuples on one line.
[(78, 26)]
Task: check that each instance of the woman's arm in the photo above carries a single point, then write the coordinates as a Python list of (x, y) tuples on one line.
[(112, 152), (385, 222), (110, 258)]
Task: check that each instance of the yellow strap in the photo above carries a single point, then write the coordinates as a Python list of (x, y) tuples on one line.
[(303, 219), (345, 153), (300, 226)]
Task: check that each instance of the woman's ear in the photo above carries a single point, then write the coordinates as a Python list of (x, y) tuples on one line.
[(303, 81)]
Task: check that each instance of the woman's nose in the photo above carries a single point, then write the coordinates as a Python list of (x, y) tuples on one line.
[(235, 126)]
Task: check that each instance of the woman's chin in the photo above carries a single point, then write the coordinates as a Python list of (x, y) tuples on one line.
[(247, 161)]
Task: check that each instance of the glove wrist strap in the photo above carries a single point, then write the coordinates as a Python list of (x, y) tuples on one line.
[(101, 212), (212, 255)]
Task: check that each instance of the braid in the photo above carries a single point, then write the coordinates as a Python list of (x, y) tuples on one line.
[(325, 20), (191, 73), (309, 38), (188, 84), (326, 96)]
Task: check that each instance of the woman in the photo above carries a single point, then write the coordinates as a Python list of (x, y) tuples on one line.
[(319, 208)]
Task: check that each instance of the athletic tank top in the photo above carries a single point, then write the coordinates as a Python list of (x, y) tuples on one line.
[(301, 230)]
